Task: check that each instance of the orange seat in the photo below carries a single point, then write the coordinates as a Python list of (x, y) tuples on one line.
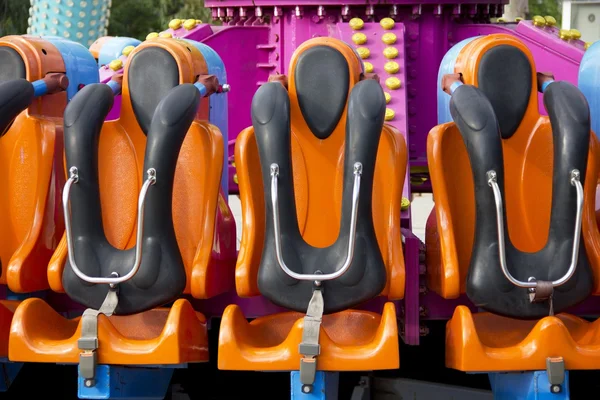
[(350, 339), (488, 341), (203, 227)]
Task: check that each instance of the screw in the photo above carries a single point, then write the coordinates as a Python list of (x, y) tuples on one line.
[(555, 388)]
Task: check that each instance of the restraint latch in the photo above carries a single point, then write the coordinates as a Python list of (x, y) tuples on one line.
[(555, 369), (309, 347), (88, 342)]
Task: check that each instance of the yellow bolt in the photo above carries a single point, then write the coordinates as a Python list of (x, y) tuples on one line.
[(550, 20), (368, 67), (152, 35), (564, 34), (393, 83), (501, 20), (115, 65), (388, 38), (363, 52), (390, 52), (189, 24), (359, 38), (198, 21), (387, 23), (356, 24), (127, 50), (235, 179), (575, 34), (518, 19), (175, 24), (391, 67), (389, 114), (539, 21), (165, 35), (388, 97), (404, 204), (587, 45)]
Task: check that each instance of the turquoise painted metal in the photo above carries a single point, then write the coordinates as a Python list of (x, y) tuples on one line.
[(80, 20), (113, 48)]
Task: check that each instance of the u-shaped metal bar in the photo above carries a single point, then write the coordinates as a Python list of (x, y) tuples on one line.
[(351, 239), (74, 178), (532, 284)]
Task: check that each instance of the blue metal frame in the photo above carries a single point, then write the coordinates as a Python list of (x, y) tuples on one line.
[(10, 370), (113, 49), (325, 386), (529, 385), (128, 382)]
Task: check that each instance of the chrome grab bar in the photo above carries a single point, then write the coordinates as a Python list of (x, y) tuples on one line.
[(532, 284), (74, 178), (315, 277)]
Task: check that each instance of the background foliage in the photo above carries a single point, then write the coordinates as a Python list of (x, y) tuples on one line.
[(137, 18)]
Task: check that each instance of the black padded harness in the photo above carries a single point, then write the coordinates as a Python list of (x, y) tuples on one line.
[(366, 276), (487, 286), (161, 277)]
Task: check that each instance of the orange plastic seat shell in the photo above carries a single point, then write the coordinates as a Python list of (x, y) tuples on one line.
[(7, 309), (160, 336), (199, 209), (528, 164), (350, 340), (30, 217), (317, 163), (487, 342)]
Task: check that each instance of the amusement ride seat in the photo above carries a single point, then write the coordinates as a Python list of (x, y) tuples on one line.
[(184, 237), (336, 215), (38, 76), (513, 224)]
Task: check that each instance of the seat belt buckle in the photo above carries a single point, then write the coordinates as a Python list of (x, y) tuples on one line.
[(88, 360), (308, 371)]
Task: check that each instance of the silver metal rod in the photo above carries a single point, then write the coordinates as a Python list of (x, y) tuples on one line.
[(351, 239), (575, 181), (74, 178)]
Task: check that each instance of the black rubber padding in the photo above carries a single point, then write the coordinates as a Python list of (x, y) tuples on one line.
[(504, 77), (161, 277), (487, 286), (152, 73), (322, 81), (12, 65), (15, 96), (367, 275)]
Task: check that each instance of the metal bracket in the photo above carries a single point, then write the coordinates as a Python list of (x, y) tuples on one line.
[(88, 342), (310, 348)]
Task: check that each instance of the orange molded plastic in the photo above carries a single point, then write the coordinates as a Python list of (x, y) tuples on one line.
[(350, 341), (7, 309), (488, 342), (317, 164), (160, 336), (204, 224), (528, 172), (30, 215)]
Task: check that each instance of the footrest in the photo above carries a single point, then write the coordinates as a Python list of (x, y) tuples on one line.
[(160, 336), (487, 342), (350, 340)]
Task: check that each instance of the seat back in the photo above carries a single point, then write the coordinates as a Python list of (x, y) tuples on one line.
[(30, 136), (154, 68), (315, 133), (496, 115)]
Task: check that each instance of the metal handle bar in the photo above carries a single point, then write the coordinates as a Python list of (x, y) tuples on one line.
[(575, 181), (316, 277), (74, 178)]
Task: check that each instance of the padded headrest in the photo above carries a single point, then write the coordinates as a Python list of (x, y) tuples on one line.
[(323, 71), (155, 67), (503, 69), (12, 65)]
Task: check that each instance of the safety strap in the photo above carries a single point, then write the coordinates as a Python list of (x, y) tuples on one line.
[(88, 342), (309, 347), (543, 292)]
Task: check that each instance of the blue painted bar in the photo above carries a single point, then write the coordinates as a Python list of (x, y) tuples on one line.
[(530, 385), (127, 383), (325, 386), (39, 88), (9, 372), (115, 87)]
